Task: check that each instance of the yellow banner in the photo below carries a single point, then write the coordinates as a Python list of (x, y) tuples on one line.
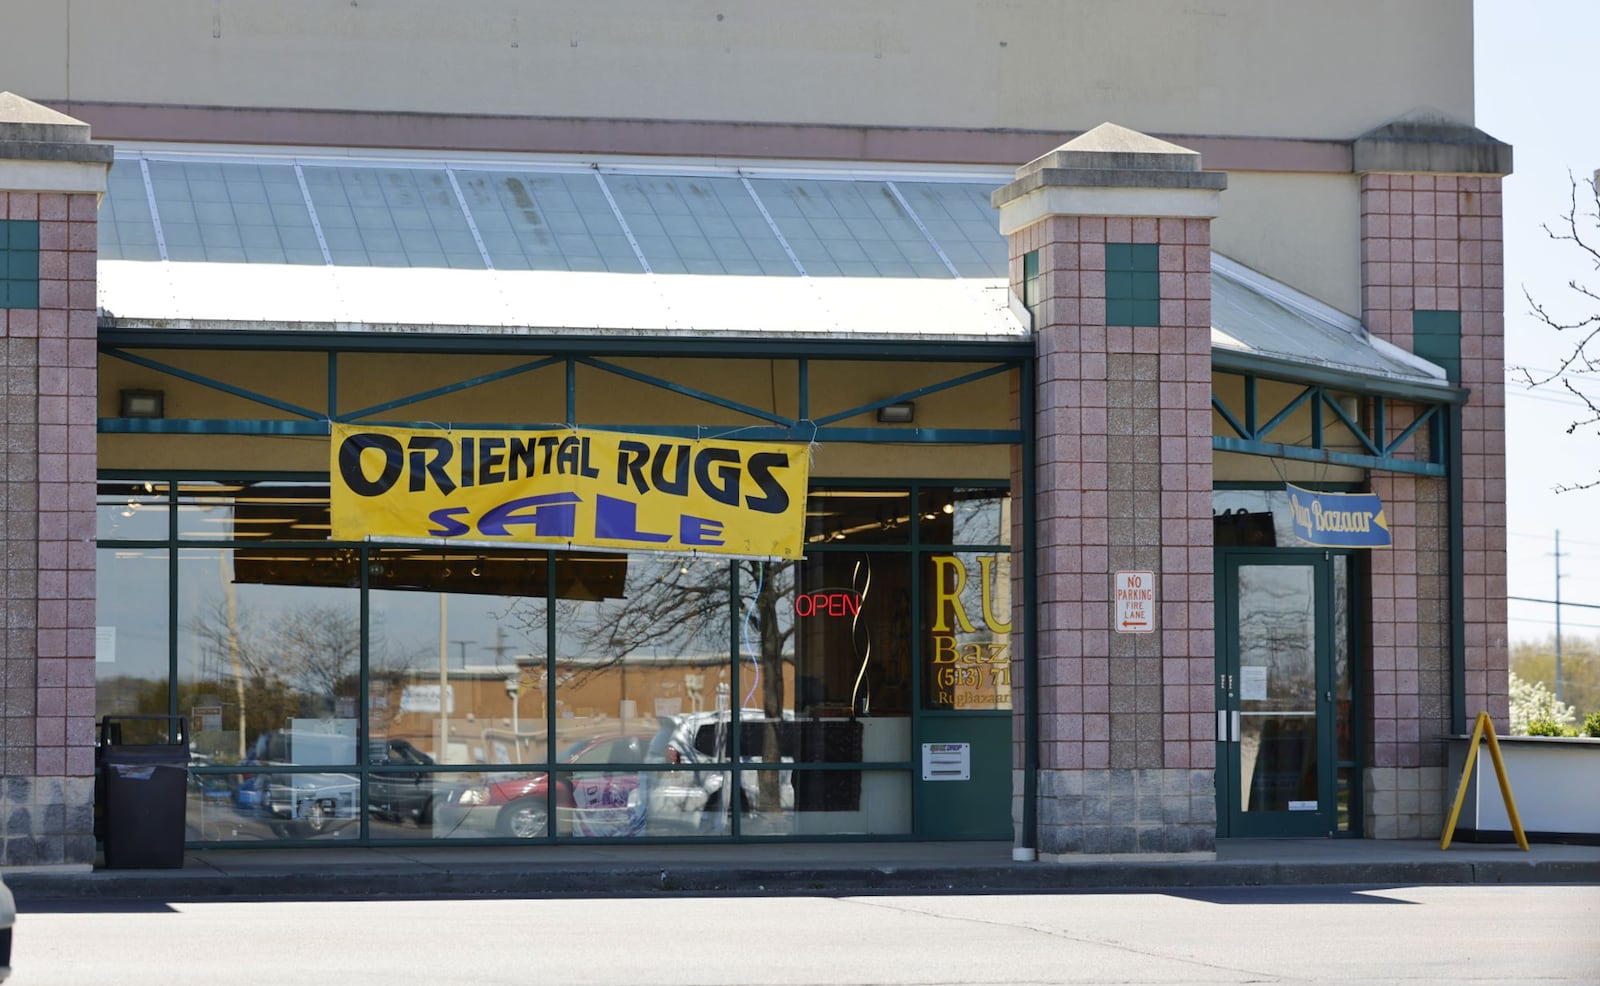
[(573, 487)]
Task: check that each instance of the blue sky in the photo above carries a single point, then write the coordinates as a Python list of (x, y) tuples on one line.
[(1535, 90)]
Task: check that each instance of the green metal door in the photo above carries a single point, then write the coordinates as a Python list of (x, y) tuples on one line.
[(1275, 694)]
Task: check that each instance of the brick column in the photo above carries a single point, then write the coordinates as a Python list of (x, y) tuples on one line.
[(51, 179), (1110, 247), (1432, 283)]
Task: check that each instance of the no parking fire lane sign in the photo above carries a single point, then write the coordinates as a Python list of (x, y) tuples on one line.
[(1134, 596)]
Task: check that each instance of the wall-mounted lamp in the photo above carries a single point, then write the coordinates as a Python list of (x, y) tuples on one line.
[(143, 404), (897, 414)]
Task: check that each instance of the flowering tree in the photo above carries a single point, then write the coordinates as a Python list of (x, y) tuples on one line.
[(1531, 701)]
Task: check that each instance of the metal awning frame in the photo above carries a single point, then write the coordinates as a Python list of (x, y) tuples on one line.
[(571, 353), (1253, 436)]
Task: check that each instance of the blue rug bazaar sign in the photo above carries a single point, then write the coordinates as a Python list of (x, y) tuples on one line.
[(1338, 520), (574, 488)]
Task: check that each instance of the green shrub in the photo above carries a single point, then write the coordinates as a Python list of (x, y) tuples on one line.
[(1546, 727), (1591, 725)]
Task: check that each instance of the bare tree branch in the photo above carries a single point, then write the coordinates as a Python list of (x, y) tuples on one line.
[(1582, 359)]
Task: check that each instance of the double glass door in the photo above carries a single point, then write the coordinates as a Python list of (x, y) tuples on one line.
[(1283, 693)]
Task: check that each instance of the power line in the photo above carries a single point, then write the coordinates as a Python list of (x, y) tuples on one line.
[(1515, 370), (1555, 602), (1568, 626), (1570, 402), (1545, 537)]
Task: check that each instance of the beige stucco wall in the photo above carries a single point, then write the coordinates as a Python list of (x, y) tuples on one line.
[(1239, 67), (1303, 230)]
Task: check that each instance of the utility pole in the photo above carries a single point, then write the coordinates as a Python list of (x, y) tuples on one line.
[(500, 647), (1558, 615)]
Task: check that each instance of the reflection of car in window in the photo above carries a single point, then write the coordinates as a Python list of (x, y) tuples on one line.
[(399, 794), (593, 802), (300, 805), (691, 797)]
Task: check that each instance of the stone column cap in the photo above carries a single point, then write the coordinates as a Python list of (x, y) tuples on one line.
[(1430, 143), (1112, 156), (31, 132)]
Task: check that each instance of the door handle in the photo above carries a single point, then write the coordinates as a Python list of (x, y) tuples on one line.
[(1227, 727), (1236, 725)]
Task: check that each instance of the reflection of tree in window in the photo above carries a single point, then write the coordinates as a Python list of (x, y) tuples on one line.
[(1277, 631), (678, 610), (671, 607), (273, 665)]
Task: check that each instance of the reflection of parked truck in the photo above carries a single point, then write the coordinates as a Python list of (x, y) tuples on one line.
[(692, 796), (302, 805), (309, 805)]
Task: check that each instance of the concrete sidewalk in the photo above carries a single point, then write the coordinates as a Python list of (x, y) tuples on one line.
[(783, 868)]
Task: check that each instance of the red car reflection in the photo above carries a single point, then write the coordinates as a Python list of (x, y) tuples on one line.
[(595, 802)]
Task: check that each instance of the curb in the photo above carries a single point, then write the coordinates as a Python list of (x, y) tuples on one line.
[(536, 882)]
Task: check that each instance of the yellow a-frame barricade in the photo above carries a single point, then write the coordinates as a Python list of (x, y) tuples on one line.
[(1484, 728)]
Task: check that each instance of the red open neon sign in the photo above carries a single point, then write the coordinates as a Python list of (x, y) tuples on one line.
[(827, 602)]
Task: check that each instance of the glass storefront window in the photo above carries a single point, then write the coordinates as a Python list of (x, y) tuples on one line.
[(405, 692), (136, 511), (1278, 740), (853, 621), (837, 802), (639, 637), (1344, 689), (964, 516), (268, 670), (131, 653), (967, 617), (253, 511), (858, 516), (768, 622), (456, 668), (497, 804), (270, 803)]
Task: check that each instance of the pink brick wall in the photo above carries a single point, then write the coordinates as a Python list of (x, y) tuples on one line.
[(1433, 242), (1124, 440), (54, 347)]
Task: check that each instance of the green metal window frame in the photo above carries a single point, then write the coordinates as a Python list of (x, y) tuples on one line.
[(1133, 284), (19, 263)]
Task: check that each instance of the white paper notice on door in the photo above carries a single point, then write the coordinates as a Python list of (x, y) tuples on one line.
[(1253, 683)]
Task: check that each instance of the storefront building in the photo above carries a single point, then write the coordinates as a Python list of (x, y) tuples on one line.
[(1150, 488)]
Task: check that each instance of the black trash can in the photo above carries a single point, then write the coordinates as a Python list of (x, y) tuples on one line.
[(143, 790)]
